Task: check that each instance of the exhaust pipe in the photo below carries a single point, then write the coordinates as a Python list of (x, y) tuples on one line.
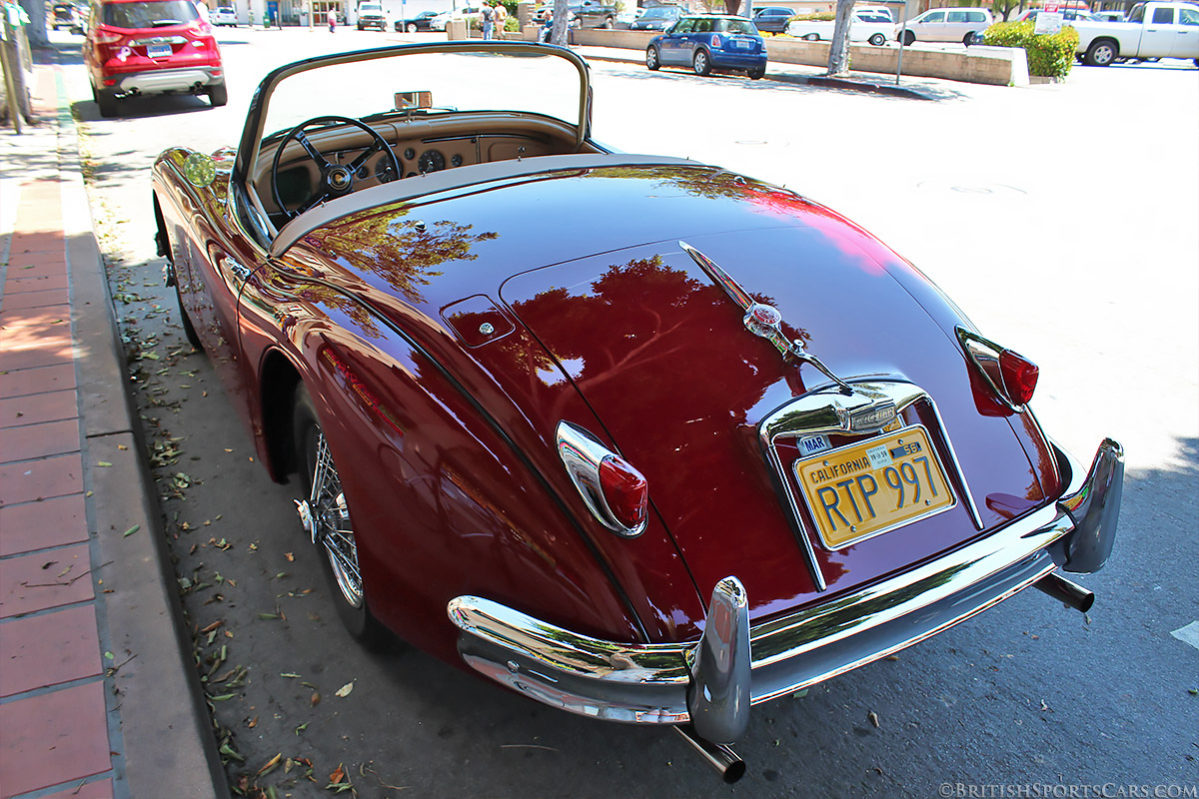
[(720, 757), (1066, 591)]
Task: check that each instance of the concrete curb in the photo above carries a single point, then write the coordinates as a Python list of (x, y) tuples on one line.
[(168, 744)]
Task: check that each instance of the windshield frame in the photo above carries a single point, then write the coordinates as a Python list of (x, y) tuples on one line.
[(256, 115)]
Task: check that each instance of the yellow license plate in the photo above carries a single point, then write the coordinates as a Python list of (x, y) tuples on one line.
[(864, 489)]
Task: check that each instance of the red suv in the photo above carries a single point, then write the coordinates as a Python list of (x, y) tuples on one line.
[(151, 47)]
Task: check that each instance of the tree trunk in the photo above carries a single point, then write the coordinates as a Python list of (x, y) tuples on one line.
[(558, 34), (838, 52), (733, 7)]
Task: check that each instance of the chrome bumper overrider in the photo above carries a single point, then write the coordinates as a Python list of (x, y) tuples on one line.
[(706, 682)]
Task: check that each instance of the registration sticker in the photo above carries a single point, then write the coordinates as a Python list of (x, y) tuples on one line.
[(810, 445), (868, 488)]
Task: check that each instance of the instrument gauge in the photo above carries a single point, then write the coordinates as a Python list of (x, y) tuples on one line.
[(430, 161)]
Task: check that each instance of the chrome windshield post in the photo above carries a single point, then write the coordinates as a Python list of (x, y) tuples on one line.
[(719, 695)]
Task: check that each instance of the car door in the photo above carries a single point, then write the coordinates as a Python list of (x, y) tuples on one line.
[(1186, 34), (1157, 37), (671, 48), (929, 27)]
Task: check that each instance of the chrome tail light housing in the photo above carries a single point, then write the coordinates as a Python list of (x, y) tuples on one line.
[(612, 489)]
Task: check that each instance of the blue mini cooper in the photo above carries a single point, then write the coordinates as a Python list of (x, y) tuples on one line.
[(710, 42)]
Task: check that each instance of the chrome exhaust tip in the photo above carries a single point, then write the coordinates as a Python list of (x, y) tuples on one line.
[(728, 765), (1066, 591)]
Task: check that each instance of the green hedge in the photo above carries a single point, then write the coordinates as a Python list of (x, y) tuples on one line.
[(1050, 55), (822, 16)]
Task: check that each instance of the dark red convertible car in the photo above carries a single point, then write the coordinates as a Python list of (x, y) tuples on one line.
[(723, 447)]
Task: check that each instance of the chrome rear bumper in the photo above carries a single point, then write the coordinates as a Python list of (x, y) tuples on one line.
[(706, 682)]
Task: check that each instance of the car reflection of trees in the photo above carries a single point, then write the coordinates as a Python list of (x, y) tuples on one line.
[(645, 336), (405, 253)]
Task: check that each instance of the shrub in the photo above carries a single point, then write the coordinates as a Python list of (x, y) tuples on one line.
[(1050, 55), (822, 16)]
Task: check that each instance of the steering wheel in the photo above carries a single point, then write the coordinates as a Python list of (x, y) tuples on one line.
[(336, 180)]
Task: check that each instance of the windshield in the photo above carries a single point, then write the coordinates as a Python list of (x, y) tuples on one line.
[(405, 84), (156, 13), (472, 81), (659, 13)]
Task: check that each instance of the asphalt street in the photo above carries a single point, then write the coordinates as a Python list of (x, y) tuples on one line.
[(1062, 218)]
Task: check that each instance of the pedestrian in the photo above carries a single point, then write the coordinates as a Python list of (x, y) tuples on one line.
[(501, 18), (488, 19), (332, 16)]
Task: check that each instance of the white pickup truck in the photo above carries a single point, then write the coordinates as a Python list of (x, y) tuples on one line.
[(1153, 30)]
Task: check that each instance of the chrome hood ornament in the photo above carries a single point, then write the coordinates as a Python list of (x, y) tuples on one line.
[(761, 319)]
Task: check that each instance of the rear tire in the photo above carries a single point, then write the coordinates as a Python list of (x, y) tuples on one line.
[(878, 40), (412, 27), (1101, 53), (909, 38), (812, 37), (701, 64), (218, 95), (328, 513), (757, 74), (651, 59), (107, 100), (609, 24)]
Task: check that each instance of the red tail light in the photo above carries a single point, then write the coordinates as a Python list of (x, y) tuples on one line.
[(103, 36), (625, 490), (616, 494), (1019, 376), (715, 41), (1011, 377)]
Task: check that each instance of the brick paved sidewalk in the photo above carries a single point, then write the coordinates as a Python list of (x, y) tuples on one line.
[(96, 697)]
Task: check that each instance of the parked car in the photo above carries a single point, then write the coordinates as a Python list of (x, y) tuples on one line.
[(145, 47), (587, 14), (865, 26), (1153, 30), (707, 43), (370, 15), (657, 18), (438, 22), (772, 19), (223, 15), (654, 472), (964, 25), (67, 16), (421, 22), (883, 11), (1068, 15)]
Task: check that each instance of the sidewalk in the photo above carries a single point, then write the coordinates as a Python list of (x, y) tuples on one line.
[(97, 696)]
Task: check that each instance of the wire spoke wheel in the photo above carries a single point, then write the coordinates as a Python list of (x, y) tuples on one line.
[(331, 527), (325, 517)]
